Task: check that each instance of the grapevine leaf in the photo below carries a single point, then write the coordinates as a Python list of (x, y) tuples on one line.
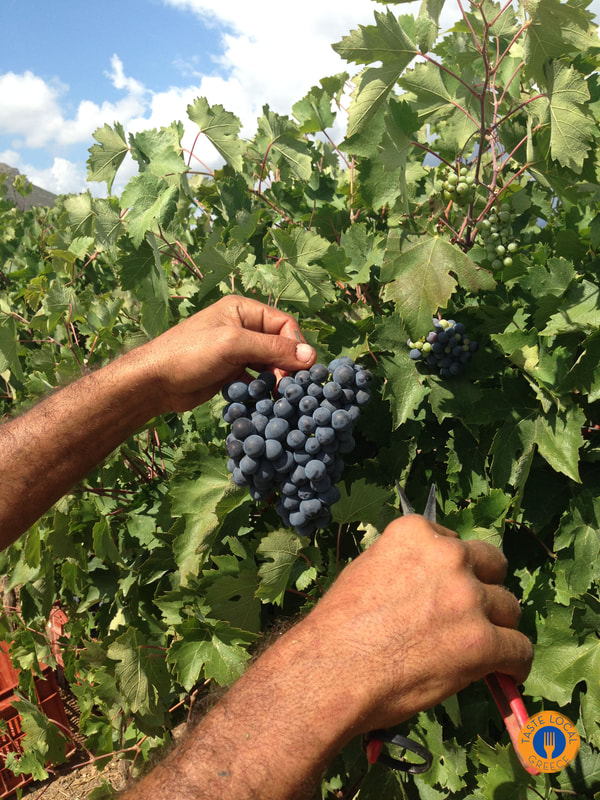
[(573, 129), (562, 660), (151, 202), (578, 532), (210, 648), (281, 549), (159, 151), (197, 501), (364, 502), (504, 777), (280, 137), (569, 34), (80, 214), (221, 128), (140, 671), (233, 599), (314, 112), (449, 758), (107, 156), (579, 310), (373, 86), (428, 23), (404, 389), (9, 358), (389, 40), (556, 434), (300, 280), (423, 277)]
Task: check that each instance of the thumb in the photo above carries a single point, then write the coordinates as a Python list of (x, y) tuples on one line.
[(278, 352)]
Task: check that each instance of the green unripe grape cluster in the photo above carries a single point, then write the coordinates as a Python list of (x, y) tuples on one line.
[(496, 234), (459, 187)]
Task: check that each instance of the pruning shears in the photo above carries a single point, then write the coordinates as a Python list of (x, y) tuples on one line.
[(502, 687)]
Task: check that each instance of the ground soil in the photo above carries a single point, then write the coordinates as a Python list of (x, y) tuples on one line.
[(78, 784)]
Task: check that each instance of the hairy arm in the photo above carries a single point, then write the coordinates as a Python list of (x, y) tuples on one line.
[(415, 618), (44, 452)]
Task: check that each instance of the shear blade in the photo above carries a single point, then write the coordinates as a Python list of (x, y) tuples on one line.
[(406, 506)]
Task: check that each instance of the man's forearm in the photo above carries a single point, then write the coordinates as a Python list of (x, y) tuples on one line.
[(44, 452)]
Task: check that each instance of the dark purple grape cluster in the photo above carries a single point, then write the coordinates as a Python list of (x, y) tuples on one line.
[(446, 348), (290, 442)]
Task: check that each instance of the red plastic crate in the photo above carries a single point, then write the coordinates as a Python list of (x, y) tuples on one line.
[(49, 701)]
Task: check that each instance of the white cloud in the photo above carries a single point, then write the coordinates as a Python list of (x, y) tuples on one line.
[(62, 177)]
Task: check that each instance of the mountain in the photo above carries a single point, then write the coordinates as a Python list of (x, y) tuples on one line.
[(38, 197)]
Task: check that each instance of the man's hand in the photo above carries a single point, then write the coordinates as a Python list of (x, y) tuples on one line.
[(419, 616), (46, 451), (193, 360), (411, 621)]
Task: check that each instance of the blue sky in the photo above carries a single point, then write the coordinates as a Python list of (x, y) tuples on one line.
[(68, 67)]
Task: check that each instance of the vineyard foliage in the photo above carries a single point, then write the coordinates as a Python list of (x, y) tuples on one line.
[(169, 573)]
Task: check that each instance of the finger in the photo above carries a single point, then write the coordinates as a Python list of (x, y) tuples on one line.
[(513, 654), (256, 316), (502, 607), (270, 351), (487, 562)]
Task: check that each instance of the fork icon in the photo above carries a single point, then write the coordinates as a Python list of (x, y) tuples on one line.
[(549, 743)]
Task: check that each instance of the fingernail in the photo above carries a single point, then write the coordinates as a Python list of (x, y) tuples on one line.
[(304, 352)]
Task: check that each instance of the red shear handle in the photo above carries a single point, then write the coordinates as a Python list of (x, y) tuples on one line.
[(510, 704)]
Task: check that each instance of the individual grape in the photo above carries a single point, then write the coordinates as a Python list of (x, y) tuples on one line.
[(265, 407), (259, 422), (311, 508), (363, 396), (298, 476), (277, 428), (268, 378), (234, 411), (283, 408), (234, 447), (318, 373), (238, 477), (242, 428), (284, 463), (293, 393), (312, 446), (236, 392), (332, 390), (273, 449), (308, 404), (295, 439), (254, 446), (340, 420), (257, 389), (291, 503), (322, 416), (315, 470), (302, 378), (297, 519), (249, 465), (415, 354), (325, 435), (343, 375), (306, 424)]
